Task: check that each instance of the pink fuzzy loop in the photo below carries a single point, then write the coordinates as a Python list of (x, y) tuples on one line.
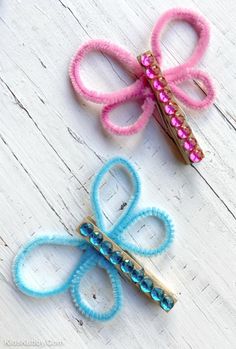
[(190, 74), (139, 90), (147, 107), (114, 51), (185, 71), (195, 20)]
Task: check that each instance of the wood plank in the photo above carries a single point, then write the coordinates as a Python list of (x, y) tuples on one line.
[(52, 145)]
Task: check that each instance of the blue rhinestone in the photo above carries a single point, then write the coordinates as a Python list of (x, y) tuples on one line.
[(137, 275), (167, 303), (86, 229), (157, 294), (106, 248), (146, 285), (127, 266), (96, 238), (116, 257)]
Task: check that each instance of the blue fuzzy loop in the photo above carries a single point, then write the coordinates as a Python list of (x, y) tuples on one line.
[(91, 258), (28, 249), (147, 252), (79, 300), (95, 199)]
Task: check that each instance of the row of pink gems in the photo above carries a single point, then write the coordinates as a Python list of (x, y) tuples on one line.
[(171, 109)]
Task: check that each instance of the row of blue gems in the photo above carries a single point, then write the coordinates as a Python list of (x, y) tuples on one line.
[(146, 286), (127, 266), (96, 239), (145, 283)]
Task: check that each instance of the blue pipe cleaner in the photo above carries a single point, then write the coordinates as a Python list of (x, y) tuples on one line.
[(91, 258)]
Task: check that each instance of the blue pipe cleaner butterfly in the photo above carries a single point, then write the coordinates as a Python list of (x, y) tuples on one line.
[(91, 258)]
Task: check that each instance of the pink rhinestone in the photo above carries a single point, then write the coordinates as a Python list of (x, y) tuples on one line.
[(150, 73), (189, 144), (158, 85), (176, 121), (183, 132), (170, 109), (164, 97), (196, 155), (146, 59)]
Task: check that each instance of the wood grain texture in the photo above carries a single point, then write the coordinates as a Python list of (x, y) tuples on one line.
[(51, 145)]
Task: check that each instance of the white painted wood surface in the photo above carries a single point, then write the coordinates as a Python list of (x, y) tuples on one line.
[(52, 144)]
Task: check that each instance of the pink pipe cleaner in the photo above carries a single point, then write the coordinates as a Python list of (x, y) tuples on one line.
[(140, 90)]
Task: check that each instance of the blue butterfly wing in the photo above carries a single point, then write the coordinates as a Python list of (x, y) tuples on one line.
[(161, 246), (90, 260), (26, 250), (95, 197)]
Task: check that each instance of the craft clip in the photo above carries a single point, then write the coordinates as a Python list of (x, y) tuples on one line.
[(153, 87), (107, 249), (127, 266), (171, 113)]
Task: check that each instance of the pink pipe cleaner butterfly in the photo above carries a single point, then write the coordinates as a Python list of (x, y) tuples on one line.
[(140, 89)]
